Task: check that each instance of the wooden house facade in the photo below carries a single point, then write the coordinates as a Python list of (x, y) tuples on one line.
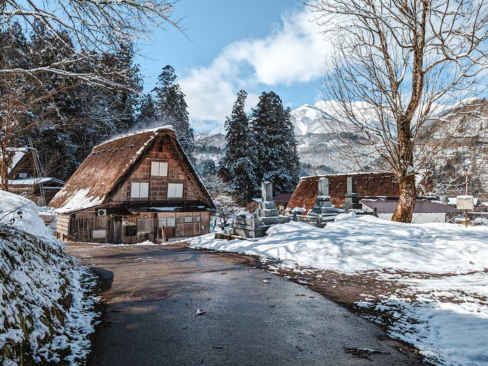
[(132, 189)]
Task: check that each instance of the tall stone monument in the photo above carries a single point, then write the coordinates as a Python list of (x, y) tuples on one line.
[(352, 196), (267, 207), (323, 204)]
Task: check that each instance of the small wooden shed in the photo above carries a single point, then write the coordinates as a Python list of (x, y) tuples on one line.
[(131, 189)]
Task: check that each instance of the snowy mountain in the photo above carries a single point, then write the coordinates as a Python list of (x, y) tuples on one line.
[(309, 119)]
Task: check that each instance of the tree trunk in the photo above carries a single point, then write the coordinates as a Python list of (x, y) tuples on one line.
[(407, 199), (4, 170)]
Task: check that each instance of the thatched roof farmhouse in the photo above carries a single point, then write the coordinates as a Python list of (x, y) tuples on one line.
[(137, 187)]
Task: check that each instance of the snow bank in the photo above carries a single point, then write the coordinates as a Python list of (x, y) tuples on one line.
[(47, 310), (368, 243), (22, 214)]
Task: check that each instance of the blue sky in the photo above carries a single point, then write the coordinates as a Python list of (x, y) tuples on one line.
[(254, 44)]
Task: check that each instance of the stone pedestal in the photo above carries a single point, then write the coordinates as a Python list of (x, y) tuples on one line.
[(266, 216)]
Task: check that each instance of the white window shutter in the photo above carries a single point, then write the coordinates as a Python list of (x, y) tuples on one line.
[(163, 169), (144, 190), (154, 168), (134, 190), (179, 190)]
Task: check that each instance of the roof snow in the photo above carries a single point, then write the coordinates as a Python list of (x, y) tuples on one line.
[(16, 154)]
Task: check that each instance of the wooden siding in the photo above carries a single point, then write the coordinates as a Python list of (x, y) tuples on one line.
[(158, 186), (62, 225), (79, 226)]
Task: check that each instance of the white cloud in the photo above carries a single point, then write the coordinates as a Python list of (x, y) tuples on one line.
[(293, 52)]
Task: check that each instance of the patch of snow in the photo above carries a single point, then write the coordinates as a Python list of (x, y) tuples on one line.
[(367, 243), (345, 216), (78, 200)]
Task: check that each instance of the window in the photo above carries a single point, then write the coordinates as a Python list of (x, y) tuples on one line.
[(170, 221), (175, 190), (22, 175), (159, 169), (188, 219), (196, 218), (162, 221), (139, 190)]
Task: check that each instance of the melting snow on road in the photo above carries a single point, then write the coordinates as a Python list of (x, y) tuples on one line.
[(442, 305)]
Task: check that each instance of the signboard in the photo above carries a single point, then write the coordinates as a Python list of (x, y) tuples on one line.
[(99, 234), (464, 202)]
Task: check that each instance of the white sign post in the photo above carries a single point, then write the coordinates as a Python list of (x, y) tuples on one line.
[(465, 203)]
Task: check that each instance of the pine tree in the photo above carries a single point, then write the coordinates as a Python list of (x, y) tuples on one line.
[(276, 158), (147, 113), (238, 154), (172, 107)]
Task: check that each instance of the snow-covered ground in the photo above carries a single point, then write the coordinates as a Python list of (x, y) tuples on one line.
[(47, 309), (441, 301)]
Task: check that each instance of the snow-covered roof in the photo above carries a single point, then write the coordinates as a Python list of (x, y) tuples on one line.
[(14, 156), (33, 181)]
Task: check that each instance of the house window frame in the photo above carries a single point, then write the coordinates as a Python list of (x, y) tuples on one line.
[(139, 184), (176, 184), (160, 163)]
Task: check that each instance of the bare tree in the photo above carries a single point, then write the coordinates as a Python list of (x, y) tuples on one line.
[(94, 26), (25, 104), (394, 68)]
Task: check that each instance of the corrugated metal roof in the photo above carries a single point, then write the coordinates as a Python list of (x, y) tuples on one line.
[(421, 206)]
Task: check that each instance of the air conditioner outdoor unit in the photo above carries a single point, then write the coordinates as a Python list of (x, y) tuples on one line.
[(102, 212)]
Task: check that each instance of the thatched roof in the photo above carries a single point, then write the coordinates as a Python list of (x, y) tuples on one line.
[(107, 168), (369, 184)]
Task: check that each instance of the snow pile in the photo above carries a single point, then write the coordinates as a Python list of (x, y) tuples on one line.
[(345, 216), (47, 311), (368, 243), (23, 214)]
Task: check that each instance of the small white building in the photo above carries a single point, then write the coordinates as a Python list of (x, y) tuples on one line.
[(426, 211)]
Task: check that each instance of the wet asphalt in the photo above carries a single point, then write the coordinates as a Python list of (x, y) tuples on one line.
[(251, 317)]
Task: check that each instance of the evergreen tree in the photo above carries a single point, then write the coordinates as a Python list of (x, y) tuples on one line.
[(147, 113), (171, 107), (238, 154), (276, 158), (207, 167)]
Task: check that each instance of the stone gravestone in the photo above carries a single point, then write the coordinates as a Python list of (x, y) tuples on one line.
[(352, 197), (323, 198), (267, 207), (323, 205)]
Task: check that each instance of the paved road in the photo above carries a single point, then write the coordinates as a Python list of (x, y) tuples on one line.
[(156, 291)]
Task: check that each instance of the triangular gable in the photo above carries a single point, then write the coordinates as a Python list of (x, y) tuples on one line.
[(110, 165)]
